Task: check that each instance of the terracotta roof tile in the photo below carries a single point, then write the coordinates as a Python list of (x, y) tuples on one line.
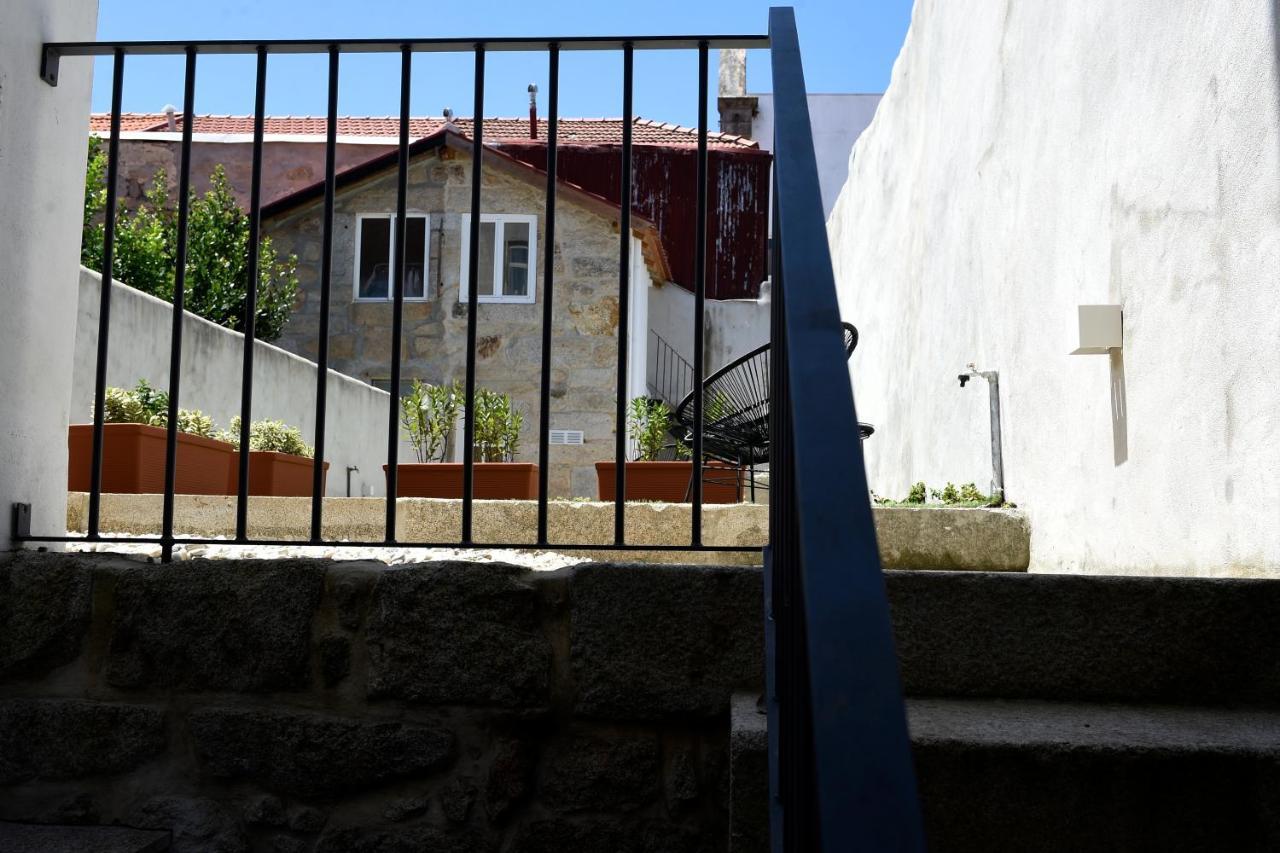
[(572, 131)]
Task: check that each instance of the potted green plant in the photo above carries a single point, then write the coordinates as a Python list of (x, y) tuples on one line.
[(280, 462), (670, 481), (428, 414), (134, 438)]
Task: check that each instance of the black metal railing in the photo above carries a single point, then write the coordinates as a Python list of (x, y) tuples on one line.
[(840, 759), (841, 774), (670, 375)]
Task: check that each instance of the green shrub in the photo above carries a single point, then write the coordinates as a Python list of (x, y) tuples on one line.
[(122, 407), (917, 494), (144, 404), (969, 494), (145, 255), (269, 435), (649, 420), (948, 494), (428, 414), (497, 427)]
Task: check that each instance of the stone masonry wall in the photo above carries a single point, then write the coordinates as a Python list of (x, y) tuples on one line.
[(509, 338), (317, 706)]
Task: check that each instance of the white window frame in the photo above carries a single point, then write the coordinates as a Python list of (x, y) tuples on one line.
[(495, 292), (391, 247)]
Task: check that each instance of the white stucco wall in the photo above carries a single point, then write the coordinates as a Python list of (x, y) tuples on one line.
[(838, 120), (284, 385), (733, 327), (1030, 157), (42, 158)]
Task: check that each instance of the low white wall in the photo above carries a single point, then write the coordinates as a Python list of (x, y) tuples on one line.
[(42, 145), (1031, 157), (284, 385), (733, 327)]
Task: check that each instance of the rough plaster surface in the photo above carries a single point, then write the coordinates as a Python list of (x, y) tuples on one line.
[(958, 539), (1028, 158), (42, 133), (284, 385)]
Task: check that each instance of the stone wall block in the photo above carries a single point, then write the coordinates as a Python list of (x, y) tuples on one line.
[(44, 613), (230, 626), (314, 755), (458, 634), (653, 641), (71, 738), (604, 771)]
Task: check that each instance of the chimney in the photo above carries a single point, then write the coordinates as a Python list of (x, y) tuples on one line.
[(533, 110), (735, 106), (169, 110)]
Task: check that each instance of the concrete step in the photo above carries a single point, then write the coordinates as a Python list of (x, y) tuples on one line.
[(1073, 638), (1035, 776), (1075, 713), (30, 838), (1043, 777)]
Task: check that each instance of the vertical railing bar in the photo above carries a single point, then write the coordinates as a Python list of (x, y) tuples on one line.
[(326, 278), (179, 294), (397, 283), (251, 296), (473, 298), (699, 297), (104, 303), (548, 290), (624, 291)]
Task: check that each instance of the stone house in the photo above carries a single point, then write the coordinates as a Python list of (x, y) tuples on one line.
[(511, 290)]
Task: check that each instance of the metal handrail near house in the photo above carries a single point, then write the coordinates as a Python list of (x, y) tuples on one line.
[(840, 759), (841, 775)]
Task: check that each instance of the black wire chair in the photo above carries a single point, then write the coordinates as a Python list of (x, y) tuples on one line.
[(735, 410)]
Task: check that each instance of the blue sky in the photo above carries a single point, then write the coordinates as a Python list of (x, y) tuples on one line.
[(848, 46)]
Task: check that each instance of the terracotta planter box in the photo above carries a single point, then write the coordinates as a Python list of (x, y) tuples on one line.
[(492, 480), (278, 475), (668, 482), (133, 461)]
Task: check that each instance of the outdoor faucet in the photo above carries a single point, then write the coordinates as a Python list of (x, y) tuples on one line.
[(997, 455)]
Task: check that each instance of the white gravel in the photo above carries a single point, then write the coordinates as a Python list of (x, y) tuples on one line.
[(543, 561)]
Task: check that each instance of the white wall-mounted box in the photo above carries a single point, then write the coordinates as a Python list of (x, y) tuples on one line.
[(1101, 329)]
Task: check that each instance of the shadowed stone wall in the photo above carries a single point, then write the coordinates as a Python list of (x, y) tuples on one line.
[(316, 706)]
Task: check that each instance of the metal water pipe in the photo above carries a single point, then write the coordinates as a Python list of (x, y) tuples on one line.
[(997, 454)]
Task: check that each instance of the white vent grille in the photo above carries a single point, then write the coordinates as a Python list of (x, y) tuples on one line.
[(565, 436)]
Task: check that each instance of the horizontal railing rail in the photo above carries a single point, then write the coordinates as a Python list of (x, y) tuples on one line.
[(334, 49), (840, 760)]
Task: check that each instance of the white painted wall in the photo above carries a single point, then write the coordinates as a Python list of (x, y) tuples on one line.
[(838, 120), (42, 159), (733, 327), (284, 385), (1030, 157)]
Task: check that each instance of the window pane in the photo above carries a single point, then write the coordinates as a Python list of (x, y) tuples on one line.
[(515, 273), (375, 257), (415, 259), (485, 265)]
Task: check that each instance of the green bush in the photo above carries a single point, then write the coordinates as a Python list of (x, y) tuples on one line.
[(497, 427), (269, 435), (917, 494), (122, 407), (146, 405), (428, 414), (217, 250), (649, 420)]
